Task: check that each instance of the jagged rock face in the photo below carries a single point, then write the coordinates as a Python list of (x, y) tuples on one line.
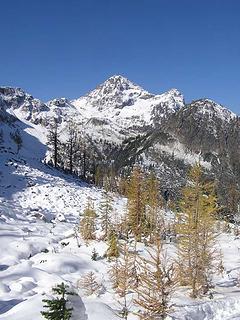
[(210, 129), (159, 130), (24, 106), (116, 92), (202, 132), (62, 103), (5, 117), (19, 102), (201, 125)]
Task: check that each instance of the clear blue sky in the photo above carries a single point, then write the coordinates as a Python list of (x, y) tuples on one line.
[(54, 48)]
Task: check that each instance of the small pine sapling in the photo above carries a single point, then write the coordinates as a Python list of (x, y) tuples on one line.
[(57, 307), (94, 255)]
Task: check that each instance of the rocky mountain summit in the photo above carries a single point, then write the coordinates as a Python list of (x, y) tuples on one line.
[(125, 109)]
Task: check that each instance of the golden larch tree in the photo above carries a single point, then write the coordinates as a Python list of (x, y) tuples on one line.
[(157, 282), (136, 203), (88, 222), (196, 230)]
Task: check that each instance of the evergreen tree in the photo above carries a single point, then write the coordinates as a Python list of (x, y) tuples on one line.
[(58, 309), (156, 284), (113, 274), (71, 145), (88, 222), (53, 140), (112, 177), (197, 233), (106, 210), (121, 224), (94, 255), (126, 274), (83, 149)]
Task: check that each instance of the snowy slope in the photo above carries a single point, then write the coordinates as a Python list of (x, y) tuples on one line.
[(39, 212), (40, 207)]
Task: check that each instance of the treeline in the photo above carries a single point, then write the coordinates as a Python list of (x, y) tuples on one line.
[(76, 154), (71, 153)]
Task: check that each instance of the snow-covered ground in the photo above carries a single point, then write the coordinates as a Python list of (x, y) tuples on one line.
[(39, 213), (39, 210)]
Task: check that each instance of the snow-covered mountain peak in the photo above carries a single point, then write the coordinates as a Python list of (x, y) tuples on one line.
[(126, 105), (174, 99), (21, 104), (118, 92), (60, 103), (115, 92), (119, 83), (11, 91), (174, 92), (14, 96), (213, 110)]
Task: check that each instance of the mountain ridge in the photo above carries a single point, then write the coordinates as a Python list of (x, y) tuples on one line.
[(126, 124), (121, 80)]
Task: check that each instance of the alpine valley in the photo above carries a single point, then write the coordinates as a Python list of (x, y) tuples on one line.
[(96, 199)]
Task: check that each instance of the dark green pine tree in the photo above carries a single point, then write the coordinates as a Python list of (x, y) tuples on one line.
[(95, 255), (57, 307)]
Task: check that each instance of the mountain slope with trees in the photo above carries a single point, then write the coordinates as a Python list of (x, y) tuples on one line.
[(119, 124)]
